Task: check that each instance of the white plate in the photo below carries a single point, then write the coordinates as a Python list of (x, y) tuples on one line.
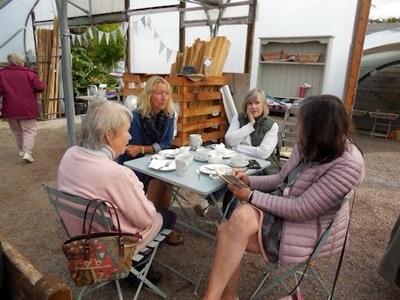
[(199, 158), (238, 166), (169, 153), (210, 168)]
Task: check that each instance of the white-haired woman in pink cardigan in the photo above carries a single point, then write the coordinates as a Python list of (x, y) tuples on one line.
[(90, 171), (287, 212)]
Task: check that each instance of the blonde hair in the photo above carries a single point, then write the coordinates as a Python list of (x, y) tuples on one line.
[(144, 104), (253, 95), (16, 59)]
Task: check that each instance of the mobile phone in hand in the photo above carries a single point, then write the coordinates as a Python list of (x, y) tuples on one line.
[(253, 164)]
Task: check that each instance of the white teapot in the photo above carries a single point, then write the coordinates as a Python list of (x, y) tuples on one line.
[(214, 157)]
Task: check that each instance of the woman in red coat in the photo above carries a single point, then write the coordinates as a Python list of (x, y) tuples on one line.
[(18, 86)]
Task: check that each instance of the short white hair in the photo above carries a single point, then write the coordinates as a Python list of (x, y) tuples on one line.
[(16, 59)]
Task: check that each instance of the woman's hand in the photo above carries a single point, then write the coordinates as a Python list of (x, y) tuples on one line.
[(133, 150), (250, 116), (239, 193), (243, 176)]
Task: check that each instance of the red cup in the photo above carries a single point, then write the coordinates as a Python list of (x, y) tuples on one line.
[(302, 91)]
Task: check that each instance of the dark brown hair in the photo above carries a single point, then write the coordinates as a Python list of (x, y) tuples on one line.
[(324, 127)]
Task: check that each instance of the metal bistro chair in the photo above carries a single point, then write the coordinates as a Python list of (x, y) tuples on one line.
[(297, 269), (76, 205), (92, 90)]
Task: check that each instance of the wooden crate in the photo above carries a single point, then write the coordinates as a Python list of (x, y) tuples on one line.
[(133, 83), (201, 108)]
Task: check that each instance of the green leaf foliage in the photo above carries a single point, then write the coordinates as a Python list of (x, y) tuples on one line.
[(93, 60)]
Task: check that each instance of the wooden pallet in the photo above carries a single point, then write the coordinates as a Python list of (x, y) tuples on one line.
[(201, 108), (134, 83)]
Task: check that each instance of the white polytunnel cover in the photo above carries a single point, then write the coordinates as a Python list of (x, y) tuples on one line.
[(380, 49), (16, 28)]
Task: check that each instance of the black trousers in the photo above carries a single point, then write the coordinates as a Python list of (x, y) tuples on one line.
[(169, 218)]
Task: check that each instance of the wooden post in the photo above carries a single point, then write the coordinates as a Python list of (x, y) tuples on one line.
[(356, 52), (24, 281)]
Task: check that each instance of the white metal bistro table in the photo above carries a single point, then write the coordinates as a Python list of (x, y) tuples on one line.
[(201, 184), (88, 99)]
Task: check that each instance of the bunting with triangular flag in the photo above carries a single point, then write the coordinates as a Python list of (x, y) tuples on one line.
[(92, 32)]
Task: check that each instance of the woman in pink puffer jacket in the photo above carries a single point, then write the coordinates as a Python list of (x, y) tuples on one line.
[(289, 211)]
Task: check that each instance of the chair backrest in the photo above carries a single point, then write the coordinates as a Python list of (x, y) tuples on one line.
[(75, 205), (327, 232), (279, 145), (92, 90)]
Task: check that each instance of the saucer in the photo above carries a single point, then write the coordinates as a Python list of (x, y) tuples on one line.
[(199, 158), (169, 153), (210, 168), (238, 166)]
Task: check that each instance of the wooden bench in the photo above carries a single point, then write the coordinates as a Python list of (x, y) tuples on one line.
[(22, 280)]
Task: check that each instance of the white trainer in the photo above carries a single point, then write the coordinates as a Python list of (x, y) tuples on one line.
[(21, 153), (28, 158)]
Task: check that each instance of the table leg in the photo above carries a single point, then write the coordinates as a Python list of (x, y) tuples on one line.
[(189, 224)]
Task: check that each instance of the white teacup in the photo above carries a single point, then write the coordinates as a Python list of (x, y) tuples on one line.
[(239, 159), (183, 162), (195, 140), (214, 157), (202, 153), (184, 150)]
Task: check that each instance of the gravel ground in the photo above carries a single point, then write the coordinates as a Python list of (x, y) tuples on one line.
[(31, 223)]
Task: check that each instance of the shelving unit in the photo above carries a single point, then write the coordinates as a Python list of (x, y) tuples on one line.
[(282, 78)]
